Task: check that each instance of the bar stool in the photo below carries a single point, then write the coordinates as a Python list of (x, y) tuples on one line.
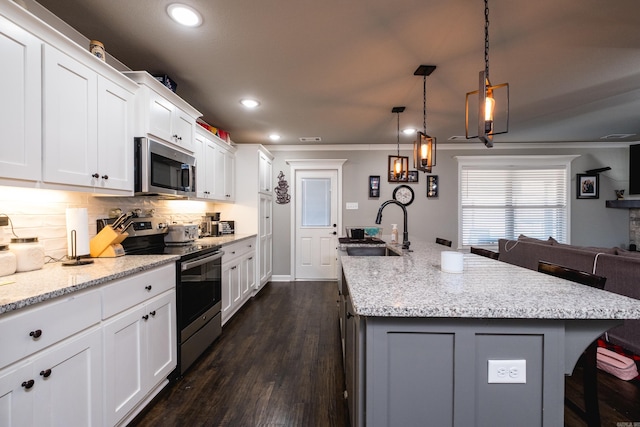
[(591, 413)]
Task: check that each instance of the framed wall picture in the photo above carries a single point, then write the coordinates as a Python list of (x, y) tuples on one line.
[(374, 185), (588, 186), (432, 185), (413, 176)]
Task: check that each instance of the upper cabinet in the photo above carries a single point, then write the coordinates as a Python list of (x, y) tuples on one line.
[(264, 168), (20, 112), (215, 168), (68, 115), (163, 114)]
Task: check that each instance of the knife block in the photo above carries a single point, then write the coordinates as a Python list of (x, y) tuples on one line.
[(102, 244)]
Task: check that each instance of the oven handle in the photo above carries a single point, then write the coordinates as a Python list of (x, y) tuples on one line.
[(204, 260)]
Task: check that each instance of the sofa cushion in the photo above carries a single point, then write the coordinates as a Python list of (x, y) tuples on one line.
[(527, 254), (524, 238), (624, 252), (594, 249)]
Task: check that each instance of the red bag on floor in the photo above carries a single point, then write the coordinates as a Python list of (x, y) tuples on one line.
[(616, 364)]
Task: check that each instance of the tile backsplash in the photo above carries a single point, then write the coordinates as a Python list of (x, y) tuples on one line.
[(41, 213)]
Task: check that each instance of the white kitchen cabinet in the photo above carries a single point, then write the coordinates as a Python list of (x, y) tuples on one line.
[(238, 276), (20, 112), (229, 175), (52, 363), (87, 126), (215, 167), (163, 114), (60, 386), (266, 238), (140, 341), (253, 204), (265, 170)]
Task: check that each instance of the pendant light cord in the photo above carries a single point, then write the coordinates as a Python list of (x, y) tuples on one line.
[(424, 103), (486, 38), (398, 134)]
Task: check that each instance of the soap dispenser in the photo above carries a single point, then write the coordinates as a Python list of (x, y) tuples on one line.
[(394, 233)]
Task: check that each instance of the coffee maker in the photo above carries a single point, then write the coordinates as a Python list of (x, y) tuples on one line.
[(209, 225)]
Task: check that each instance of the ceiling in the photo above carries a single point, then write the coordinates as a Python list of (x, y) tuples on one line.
[(335, 68)]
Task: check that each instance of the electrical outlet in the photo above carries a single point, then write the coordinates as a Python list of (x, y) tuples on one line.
[(352, 205), (507, 371), (4, 221)]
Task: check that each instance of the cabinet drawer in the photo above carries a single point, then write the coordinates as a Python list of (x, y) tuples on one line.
[(234, 251), (32, 329), (133, 290)]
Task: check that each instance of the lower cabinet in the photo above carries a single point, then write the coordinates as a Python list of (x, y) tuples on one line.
[(59, 386), (139, 351), (238, 276)]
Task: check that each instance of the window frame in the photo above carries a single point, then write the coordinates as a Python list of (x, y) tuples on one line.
[(516, 161)]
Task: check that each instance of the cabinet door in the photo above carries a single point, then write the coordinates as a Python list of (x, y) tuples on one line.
[(161, 337), (69, 383), (249, 272), (266, 238), (210, 165), (115, 141), (183, 129), (229, 176), (265, 173), (236, 292), (219, 174), (20, 108), (124, 357), (16, 401), (201, 167), (160, 116), (70, 120), (227, 273)]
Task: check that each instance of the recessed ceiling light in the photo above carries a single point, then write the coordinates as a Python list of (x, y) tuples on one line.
[(249, 103), (274, 137), (184, 15), (408, 131)]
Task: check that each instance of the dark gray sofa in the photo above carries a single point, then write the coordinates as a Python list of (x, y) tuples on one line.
[(620, 267)]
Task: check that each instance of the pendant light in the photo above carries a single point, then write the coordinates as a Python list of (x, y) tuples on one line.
[(487, 115), (424, 147), (398, 166)]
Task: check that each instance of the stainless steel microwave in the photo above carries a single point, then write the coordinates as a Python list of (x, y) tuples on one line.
[(162, 170)]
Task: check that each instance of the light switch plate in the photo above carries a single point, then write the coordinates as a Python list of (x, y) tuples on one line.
[(507, 371), (352, 205)]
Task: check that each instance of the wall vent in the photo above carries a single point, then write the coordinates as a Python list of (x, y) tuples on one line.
[(310, 139)]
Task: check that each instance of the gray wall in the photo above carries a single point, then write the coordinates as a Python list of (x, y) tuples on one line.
[(592, 224)]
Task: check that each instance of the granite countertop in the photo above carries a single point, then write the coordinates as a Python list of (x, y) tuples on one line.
[(54, 280), (413, 285)]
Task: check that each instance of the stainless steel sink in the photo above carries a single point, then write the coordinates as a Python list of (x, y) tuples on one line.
[(369, 251)]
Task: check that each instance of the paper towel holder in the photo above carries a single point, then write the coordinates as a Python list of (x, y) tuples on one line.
[(76, 260)]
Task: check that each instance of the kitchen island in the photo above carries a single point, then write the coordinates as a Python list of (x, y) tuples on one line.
[(418, 341)]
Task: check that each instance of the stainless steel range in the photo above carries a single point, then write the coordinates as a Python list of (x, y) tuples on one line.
[(198, 281)]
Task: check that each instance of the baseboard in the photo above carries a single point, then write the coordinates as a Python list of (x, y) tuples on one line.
[(281, 278)]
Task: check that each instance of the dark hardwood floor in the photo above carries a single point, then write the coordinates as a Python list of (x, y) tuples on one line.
[(278, 363)]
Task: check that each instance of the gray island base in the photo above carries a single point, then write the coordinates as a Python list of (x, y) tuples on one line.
[(418, 341)]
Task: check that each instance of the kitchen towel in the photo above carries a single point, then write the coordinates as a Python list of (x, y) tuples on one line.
[(78, 220)]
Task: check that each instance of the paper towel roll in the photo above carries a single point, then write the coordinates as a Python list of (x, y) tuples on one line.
[(451, 262), (78, 220)]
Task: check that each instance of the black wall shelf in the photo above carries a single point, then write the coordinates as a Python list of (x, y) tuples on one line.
[(623, 204)]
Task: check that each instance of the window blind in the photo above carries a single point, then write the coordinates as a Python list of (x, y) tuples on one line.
[(506, 201)]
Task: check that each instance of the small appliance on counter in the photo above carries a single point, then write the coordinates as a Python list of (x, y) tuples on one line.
[(209, 224), (226, 227), (181, 234)]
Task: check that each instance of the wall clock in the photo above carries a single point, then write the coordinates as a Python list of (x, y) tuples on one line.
[(403, 194)]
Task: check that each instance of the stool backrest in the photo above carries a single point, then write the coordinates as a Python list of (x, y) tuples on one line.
[(571, 274), (444, 242), (484, 252)]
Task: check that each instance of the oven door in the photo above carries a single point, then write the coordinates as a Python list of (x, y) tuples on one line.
[(199, 287)]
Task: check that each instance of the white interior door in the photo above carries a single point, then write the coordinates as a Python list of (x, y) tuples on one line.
[(316, 204)]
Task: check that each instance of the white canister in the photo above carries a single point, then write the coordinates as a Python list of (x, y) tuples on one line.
[(29, 253), (451, 262), (7, 261)]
